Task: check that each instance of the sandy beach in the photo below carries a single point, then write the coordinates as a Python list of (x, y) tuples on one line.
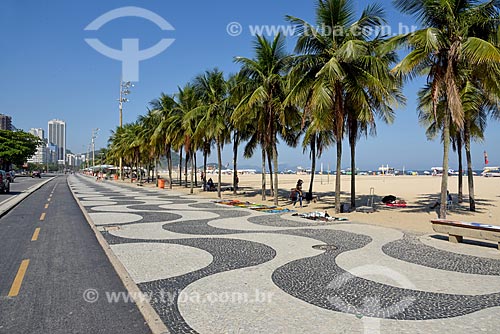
[(419, 192)]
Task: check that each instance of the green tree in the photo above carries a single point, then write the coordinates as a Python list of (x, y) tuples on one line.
[(344, 78), (212, 89), (437, 51), (266, 98), (16, 147), (167, 130)]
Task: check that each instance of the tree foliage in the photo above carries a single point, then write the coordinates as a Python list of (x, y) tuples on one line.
[(16, 147)]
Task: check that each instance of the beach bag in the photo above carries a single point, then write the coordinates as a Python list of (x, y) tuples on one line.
[(293, 194)]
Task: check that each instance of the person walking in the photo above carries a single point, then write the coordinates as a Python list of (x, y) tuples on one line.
[(298, 193)]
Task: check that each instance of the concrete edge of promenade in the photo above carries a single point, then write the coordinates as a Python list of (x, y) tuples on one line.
[(12, 202), (152, 318)]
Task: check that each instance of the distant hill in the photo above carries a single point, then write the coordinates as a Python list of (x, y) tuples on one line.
[(175, 160)]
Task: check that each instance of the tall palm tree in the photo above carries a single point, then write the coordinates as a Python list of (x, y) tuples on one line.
[(188, 101), (242, 128), (212, 90), (437, 51), (155, 148), (165, 133), (474, 104), (267, 70), (338, 57), (378, 91)]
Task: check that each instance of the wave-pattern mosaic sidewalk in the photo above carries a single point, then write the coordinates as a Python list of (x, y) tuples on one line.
[(210, 268)]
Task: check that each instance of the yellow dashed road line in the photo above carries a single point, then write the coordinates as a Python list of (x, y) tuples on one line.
[(18, 281), (35, 234)]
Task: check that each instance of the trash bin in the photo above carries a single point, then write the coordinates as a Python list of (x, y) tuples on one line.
[(161, 183), (115, 177)]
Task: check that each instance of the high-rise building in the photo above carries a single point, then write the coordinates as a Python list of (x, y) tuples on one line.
[(39, 132), (5, 122), (40, 156), (57, 136)]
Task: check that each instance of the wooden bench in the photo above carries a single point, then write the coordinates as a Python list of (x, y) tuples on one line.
[(457, 230)]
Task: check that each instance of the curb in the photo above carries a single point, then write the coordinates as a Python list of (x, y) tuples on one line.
[(12, 202), (150, 316)]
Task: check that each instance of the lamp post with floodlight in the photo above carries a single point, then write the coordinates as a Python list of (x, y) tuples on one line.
[(94, 136), (124, 91)]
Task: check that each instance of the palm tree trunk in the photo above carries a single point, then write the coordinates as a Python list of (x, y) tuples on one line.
[(155, 171), (275, 162), (180, 167), (460, 169), (313, 163), (219, 161), (186, 169), (205, 156), (235, 164), (338, 176), (470, 176), (195, 170), (352, 144), (192, 174), (263, 174), (446, 152), (169, 166), (269, 159)]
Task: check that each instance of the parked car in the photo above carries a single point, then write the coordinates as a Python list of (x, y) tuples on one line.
[(36, 174), (4, 182), (11, 176)]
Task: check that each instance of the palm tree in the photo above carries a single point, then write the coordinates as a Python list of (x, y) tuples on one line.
[(155, 148), (338, 58), (378, 91), (267, 71), (212, 89), (166, 132), (242, 128), (438, 50), (188, 101)]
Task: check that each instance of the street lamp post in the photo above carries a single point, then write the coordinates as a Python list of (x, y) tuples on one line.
[(124, 91), (94, 135)]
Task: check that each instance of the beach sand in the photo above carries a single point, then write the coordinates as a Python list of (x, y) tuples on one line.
[(419, 192)]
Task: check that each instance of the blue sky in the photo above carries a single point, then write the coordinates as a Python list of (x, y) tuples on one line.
[(48, 71)]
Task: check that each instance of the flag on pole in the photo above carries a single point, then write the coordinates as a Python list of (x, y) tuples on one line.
[(486, 158)]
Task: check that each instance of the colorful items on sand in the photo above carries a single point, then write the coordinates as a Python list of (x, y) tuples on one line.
[(254, 206), (322, 216)]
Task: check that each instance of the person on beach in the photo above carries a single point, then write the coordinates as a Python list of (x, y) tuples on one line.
[(204, 180), (438, 203), (210, 185), (298, 193)]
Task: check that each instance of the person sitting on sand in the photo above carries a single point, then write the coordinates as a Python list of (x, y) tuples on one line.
[(210, 185), (438, 203)]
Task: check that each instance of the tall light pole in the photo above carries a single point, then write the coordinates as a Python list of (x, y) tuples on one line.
[(94, 136), (124, 91)]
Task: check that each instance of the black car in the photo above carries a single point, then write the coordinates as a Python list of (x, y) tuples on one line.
[(4, 182), (36, 174)]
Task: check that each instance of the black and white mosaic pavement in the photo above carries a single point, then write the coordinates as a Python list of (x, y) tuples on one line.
[(316, 278), (416, 252)]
